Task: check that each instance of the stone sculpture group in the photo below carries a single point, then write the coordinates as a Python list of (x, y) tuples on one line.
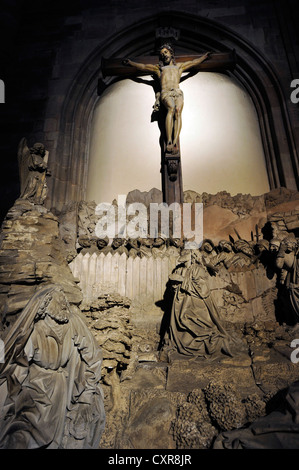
[(50, 381)]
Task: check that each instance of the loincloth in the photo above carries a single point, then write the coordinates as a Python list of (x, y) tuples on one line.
[(173, 93)]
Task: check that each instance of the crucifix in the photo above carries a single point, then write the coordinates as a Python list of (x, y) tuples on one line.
[(169, 101)]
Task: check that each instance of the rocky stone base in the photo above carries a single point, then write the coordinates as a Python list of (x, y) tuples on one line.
[(159, 400), (185, 404)]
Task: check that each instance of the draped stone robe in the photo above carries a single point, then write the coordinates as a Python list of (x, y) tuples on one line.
[(195, 326)]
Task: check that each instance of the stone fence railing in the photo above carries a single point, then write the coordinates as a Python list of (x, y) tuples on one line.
[(142, 279)]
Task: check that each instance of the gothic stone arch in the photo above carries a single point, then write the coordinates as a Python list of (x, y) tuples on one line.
[(197, 35)]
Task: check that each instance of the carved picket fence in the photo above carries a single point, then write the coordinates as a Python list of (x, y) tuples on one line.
[(142, 279)]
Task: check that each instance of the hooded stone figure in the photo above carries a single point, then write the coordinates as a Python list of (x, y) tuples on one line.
[(50, 394), (195, 325)]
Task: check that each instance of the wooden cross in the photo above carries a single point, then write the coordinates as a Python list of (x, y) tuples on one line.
[(172, 183)]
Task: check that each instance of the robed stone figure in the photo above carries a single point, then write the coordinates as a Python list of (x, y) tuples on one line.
[(195, 325), (50, 392)]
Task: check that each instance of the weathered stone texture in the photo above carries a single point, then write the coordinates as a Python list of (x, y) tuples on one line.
[(31, 253)]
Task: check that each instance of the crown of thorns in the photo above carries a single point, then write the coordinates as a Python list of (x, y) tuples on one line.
[(167, 46)]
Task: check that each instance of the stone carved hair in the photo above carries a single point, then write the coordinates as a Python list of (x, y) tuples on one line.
[(58, 315), (38, 149), (170, 49), (41, 313)]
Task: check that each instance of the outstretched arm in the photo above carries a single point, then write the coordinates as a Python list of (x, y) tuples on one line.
[(191, 63), (143, 67)]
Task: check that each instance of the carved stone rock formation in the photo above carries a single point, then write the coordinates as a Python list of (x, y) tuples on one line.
[(31, 253), (225, 407), (208, 411), (277, 430), (108, 317), (193, 428)]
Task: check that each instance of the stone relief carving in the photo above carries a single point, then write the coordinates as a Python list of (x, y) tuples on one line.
[(220, 259), (131, 358), (86, 218)]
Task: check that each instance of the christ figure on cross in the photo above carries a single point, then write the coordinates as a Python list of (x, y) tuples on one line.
[(171, 96)]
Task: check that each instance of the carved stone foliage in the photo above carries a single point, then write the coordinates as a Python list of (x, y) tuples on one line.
[(208, 411), (193, 428)]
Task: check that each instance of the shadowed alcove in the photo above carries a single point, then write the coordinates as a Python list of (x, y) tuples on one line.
[(220, 140), (253, 73)]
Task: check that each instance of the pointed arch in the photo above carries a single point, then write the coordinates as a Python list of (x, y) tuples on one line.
[(197, 34)]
